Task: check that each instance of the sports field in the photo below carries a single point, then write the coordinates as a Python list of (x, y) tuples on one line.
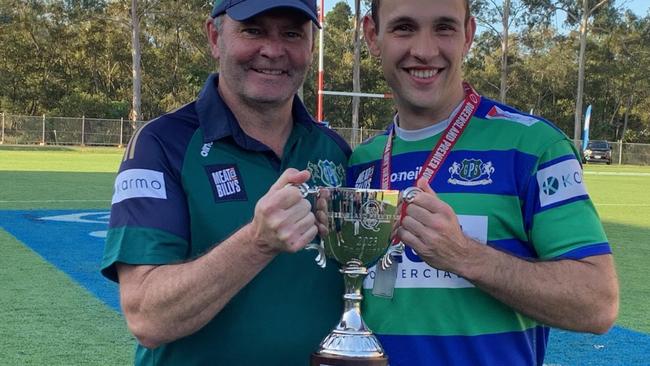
[(55, 309)]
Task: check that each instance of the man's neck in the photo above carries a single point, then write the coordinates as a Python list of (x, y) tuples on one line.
[(270, 124), (416, 119)]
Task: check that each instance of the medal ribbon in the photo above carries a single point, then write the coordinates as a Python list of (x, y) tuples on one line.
[(441, 151)]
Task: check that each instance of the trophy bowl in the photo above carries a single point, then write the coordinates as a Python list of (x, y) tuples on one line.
[(360, 224)]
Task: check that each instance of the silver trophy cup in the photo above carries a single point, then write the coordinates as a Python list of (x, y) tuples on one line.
[(360, 224)]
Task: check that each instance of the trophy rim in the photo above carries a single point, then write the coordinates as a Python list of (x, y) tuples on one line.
[(361, 190)]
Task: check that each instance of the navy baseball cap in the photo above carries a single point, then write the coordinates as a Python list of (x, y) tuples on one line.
[(243, 9)]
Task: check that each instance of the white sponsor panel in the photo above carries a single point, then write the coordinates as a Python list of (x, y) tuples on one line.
[(412, 272), (139, 183), (560, 182)]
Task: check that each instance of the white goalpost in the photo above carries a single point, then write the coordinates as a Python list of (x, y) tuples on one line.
[(321, 73)]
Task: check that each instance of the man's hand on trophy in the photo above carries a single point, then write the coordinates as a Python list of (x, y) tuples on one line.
[(283, 220), (322, 212), (430, 227)]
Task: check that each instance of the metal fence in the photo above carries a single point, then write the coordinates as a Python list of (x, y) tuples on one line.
[(43, 130), (628, 153), (75, 131)]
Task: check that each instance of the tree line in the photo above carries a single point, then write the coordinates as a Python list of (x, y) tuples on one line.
[(76, 57)]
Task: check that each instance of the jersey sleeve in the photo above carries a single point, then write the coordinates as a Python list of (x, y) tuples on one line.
[(149, 220), (561, 218)]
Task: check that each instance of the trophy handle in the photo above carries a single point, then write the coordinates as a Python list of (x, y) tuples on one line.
[(398, 249), (393, 251), (320, 259), (306, 190)]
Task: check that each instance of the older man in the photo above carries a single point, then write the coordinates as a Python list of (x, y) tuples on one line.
[(206, 227)]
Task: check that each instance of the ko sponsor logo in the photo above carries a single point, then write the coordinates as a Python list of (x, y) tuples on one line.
[(139, 183), (560, 182)]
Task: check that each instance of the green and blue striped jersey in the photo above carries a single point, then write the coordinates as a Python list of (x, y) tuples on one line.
[(515, 183)]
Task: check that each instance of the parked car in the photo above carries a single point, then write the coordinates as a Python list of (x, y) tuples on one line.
[(598, 150)]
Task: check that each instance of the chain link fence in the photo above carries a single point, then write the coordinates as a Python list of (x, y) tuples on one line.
[(75, 131), (43, 130)]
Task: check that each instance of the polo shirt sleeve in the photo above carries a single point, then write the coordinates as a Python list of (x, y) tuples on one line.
[(149, 221), (563, 222)]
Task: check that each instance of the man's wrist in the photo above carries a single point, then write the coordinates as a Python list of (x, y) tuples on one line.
[(472, 263), (257, 247)]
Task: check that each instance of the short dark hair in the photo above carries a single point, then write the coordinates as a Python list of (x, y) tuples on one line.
[(374, 11)]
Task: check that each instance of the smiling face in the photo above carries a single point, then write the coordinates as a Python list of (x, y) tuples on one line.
[(422, 44), (262, 60)]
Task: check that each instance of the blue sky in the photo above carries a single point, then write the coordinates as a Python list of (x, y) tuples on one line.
[(640, 7)]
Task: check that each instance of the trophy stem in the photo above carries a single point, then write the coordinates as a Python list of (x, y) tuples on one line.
[(351, 337), (352, 320)]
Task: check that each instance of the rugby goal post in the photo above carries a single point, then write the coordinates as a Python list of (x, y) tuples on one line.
[(321, 73)]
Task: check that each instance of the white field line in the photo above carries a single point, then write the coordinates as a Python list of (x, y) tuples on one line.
[(624, 204), (633, 174)]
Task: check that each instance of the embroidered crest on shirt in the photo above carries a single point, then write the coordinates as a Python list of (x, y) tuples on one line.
[(328, 173), (471, 172), (226, 182)]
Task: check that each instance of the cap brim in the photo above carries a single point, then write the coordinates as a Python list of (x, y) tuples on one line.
[(249, 9)]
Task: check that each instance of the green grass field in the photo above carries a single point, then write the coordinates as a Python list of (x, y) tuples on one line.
[(48, 319)]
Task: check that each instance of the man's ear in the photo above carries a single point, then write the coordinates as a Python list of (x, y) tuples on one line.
[(370, 34), (213, 36), (314, 33), (470, 31)]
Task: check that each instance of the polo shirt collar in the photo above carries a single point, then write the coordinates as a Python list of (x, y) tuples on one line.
[(217, 120)]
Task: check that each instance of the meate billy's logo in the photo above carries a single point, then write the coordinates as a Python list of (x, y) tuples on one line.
[(226, 182), (365, 178)]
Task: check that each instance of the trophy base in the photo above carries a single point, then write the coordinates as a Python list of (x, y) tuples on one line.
[(332, 360)]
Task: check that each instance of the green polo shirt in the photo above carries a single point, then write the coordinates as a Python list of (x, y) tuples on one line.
[(190, 179)]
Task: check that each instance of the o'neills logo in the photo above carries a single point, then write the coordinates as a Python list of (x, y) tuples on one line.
[(226, 182)]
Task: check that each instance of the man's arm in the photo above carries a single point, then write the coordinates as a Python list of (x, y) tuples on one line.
[(167, 302), (579, 295)]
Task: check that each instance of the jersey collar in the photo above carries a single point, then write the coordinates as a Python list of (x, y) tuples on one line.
[(217, 120)]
